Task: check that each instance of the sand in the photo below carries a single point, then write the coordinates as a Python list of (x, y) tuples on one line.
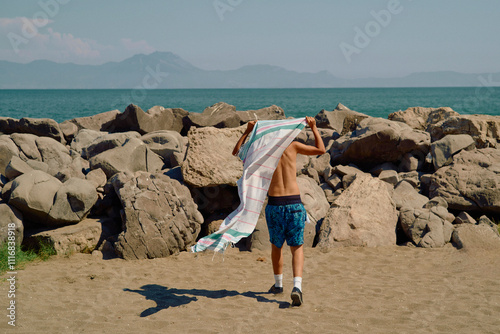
[(346, 290)]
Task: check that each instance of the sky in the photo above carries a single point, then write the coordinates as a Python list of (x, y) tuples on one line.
[(350, 39)]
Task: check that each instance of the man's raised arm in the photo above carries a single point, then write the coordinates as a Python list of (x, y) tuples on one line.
[(319, 146), (240, 142)]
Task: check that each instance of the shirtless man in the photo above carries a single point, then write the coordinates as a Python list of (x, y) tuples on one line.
[(285, 213)]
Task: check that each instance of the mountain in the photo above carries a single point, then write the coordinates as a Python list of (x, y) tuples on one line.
[(167, 70)]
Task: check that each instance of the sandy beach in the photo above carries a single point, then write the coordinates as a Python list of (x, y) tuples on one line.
[(346, 290)]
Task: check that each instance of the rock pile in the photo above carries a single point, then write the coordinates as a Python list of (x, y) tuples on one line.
[(149, 184)]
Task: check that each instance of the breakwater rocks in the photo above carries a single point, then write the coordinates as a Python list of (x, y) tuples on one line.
[(141, 184)]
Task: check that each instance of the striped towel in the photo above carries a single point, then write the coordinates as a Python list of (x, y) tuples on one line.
[(260, 157)]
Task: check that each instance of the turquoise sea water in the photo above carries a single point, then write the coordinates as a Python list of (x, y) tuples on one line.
[(63, 104)]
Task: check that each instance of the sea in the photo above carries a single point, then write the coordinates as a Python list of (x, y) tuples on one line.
[(64, 104)]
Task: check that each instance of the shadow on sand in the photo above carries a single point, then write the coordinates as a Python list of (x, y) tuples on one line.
[(172, 297)]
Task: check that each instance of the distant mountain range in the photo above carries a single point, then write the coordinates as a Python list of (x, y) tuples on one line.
[(167, 70)]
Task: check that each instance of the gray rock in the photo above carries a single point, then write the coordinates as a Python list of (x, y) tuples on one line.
[(320, 163), (382, 167), (106, 142), (219, 115), (33, 194), (98, 122), (38, 165), (159, 216), (72, 202), (389, 176), (424, 228), (341, 119), (471, 182), (26, 143), (436, 201), (443, 150), (412, 162), (376, 141), (11, 225), (405, 195), (16, 167), (133, 156), (363, 215), (41, 127), (7, 150), (54, 154), (464, 218), (269, 113), (475, 237), (167, 144), (314, 200), (313, 174), (97, 177), (334, 181), (205, 166), (420, 118)]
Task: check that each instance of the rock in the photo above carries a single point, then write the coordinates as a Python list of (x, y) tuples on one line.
[(26, 143), (205, 166), (97, 177), (16, 167), (363, 215), (72, 202), (412, 178), (471, 182), (156, 118), (167, 144), (74, 169), (443, 150), (475, 237), (464, 218), (33, 194), (341, 119), (342, 170), (160, 217), (219, 115), (329, 193), (420, 118), (389, 176), (486, 221), (84, 138), (54, 154), (376, 141), (302, 162), (38, 165), (215, 199), (269, 113), (107, 141), (7, 150), (6, 190), (382, 167), (484, 129), (424, 228), (98, 122), (10, 220), (69, 130), (405, 195), (133, 156), (313, 174), (334, 181), (436, 201), (411, 162), (320, 163), (83, 237), (306, 136), (41, 127), (314, 201)]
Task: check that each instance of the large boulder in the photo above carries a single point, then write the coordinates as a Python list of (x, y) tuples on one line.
[(424, 227), (169, 145), (219, 115), (269, 113), (476, 237), (442, 150), (378, 140), (133, 156), (16, 167), (341, 119), (83, 237), (156, 118), (420, 118), (97, 122), (363, 215), (106, 142), (72, 202), (8, 149), (33, 194), (11, 225), (26, 143), (484, 129), (405, 195), (471, 182), (54, 154), (209, 160), (42, 127), (159, 216)]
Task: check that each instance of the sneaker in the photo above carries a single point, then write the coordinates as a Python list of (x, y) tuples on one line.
[(296, 297), (275, 290)]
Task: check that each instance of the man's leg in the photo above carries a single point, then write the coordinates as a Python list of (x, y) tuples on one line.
[(297, 260), (277, 259)]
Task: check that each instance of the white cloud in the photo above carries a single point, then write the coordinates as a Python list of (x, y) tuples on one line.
[(138, 46)]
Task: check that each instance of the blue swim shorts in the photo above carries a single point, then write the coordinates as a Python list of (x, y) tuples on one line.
[(286, 217)]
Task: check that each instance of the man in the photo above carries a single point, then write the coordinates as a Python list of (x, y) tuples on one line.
[(285, 213)]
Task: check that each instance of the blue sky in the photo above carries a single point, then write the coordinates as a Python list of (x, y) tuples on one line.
[(343, 36)]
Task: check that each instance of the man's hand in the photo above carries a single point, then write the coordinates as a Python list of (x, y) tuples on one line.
[(311, 122), (250, 126)]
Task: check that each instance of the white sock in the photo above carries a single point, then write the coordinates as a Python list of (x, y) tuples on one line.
[(297, 282), (278, 281)]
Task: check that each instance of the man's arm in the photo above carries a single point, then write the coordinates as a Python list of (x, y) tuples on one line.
[(319, 146), (240, 142)]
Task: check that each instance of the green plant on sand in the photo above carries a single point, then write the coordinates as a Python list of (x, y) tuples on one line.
[(25, 255)]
